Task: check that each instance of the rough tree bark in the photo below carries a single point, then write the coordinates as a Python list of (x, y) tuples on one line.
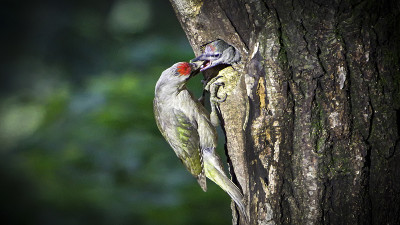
[(312, 119)]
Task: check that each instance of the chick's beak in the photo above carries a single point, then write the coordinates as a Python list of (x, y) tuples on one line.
[(196, 67)]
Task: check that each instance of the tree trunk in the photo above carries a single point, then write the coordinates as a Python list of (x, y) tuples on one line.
[(312, 120)]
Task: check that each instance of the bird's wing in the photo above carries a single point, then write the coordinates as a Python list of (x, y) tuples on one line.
[(188, 149)]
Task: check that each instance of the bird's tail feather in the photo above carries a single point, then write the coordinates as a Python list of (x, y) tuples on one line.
[(214, 171), (201, 179), (236, 195)]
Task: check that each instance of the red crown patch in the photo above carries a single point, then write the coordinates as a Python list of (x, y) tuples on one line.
[(184, 69)]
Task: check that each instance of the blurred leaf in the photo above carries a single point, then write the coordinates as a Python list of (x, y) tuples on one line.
[(129, 16), (19, 121)]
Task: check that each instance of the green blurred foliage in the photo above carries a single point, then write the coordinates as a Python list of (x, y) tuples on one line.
[(79, 144)]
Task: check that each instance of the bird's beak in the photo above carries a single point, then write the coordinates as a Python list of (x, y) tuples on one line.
[(198, 58), (204, 63), (195, 67)]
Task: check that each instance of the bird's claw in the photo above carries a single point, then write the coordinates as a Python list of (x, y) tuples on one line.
[(218, 84), (211, 82), (214, 92), (219, 100)]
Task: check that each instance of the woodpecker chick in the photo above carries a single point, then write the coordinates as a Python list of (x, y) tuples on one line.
[(216, 53), (186, 126)]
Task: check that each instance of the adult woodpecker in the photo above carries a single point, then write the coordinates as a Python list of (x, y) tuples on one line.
[(186, 125), (216, 53)]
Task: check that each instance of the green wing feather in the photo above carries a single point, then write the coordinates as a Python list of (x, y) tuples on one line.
[(189, 150)]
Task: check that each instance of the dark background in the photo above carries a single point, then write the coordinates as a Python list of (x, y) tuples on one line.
[(79, 144)]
